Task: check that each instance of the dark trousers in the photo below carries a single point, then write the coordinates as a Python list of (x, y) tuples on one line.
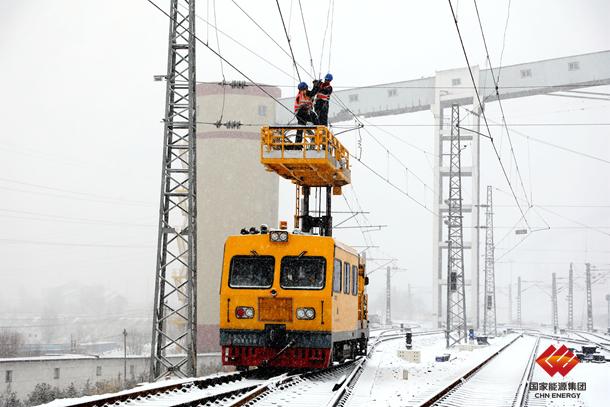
[(321, 107), (304, 116)]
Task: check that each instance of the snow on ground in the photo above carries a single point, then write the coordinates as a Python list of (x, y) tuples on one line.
[(382, 383)]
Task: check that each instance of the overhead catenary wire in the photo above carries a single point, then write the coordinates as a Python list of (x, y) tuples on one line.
[(225, 60), (330, 3), (296, 68), (313, 69), (496, 86), (482, 112), (208, 24), (222, 69), (288, 54)]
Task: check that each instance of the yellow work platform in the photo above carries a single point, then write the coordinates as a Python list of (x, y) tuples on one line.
[(317, 160)]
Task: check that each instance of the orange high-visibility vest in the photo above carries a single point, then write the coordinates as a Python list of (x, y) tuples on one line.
[(322, 96), (302, 101)]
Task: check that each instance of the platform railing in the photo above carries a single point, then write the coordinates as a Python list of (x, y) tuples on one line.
[(314, 138)]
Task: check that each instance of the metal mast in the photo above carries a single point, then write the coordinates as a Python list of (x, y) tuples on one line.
[(456, 302), (608, 300), (519, 301), (571, 298), (489, 310), (554, 300), (174, 318), (510, 303), (388, 297), (589, 299)]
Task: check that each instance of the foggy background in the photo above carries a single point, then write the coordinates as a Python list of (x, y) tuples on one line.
[(80, 147)]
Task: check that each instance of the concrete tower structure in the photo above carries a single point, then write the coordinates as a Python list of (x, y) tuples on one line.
[(233, 188)]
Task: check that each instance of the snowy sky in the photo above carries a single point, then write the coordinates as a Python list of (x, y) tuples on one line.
[(81, 136)]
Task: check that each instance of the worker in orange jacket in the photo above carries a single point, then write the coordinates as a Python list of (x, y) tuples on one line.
[(303, 107), (323, 99)]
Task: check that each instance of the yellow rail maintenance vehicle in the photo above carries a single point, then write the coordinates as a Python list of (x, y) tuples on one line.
[(295, 299)]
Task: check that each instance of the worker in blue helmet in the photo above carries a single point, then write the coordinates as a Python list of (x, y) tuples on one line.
[(303, 107), (323, 99)]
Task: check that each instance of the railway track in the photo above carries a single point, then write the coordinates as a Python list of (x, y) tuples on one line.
[(329, 387), (499, 380)]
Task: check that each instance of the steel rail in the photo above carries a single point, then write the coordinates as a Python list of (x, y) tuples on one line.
[(343, 392), (136, 393), (443, 392), (523, 392)]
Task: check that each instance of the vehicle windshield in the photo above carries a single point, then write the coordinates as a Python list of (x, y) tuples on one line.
[(251, 272), (301, 272)]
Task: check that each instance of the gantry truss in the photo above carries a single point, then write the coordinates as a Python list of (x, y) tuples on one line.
[(554, 300), (571, 298), (174, 318), (489, 306), (456, 298)]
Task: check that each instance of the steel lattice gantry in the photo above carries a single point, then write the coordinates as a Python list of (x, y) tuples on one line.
[(174, 318), (554, 300), (456, 297), (589, 298), (571, 298), (489, 306)]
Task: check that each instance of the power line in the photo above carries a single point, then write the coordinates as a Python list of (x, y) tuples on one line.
[(224, 59), (393, 185), (268, 35), (222, 69), (208, 24), (496, 85), (74, 244), (296, 68), (68, 219), (474, 85), (307, 38)]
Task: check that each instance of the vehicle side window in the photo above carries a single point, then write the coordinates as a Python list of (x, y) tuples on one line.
[(303, 272), (354, 280), (251, 272), (337, 276), (346, 278)]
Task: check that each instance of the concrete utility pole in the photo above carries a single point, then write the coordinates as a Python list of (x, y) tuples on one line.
[(175, 308), (554, 300), (456, 299), (388, 296), (589, 298), (519, 301), (571, 298), (489, 310)]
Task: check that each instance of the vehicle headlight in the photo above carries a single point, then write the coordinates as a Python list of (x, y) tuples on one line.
[(278, 236), (244, 312), (306, 313)]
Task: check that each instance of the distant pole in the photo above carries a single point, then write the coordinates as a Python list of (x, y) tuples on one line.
[(510, 303), (124, 355), (554, 300), (589, 299), (489, 308), (388, 298), (608, 300), (519, 301), (571, 298)]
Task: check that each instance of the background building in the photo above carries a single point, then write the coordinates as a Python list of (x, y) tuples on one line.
[(233, 189)]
